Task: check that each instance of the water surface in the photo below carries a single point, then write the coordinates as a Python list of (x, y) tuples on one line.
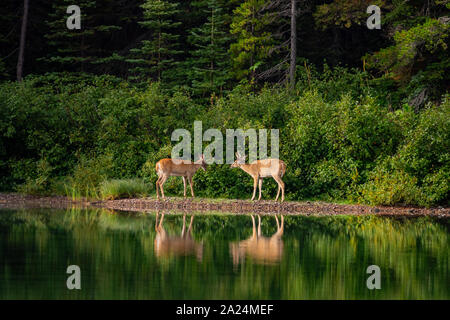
[(221, 256)]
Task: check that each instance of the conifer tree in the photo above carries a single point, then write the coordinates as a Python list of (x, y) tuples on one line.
[(208, 67), (80, 50), (254, 41), (155, 57)]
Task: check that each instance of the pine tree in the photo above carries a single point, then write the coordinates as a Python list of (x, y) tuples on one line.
[(208, 68), (156, 56), (254, 41), (88, 48)]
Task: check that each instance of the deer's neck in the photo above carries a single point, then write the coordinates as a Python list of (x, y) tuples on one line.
[(249, 168)]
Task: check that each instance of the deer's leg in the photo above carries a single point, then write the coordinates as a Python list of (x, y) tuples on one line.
[(254, 227), (161, 185), (184, 225), (255, 183), (184, 185), (190, 225), (278, 192), (280, 230), (279, 188), (260, 187), (280, 185), (191, 183), (259, 225), (161, 220), (157, 187), (156, 222), (282, 190)]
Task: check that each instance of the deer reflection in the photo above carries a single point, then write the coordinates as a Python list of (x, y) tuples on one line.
[(265, 250), (183, 245)]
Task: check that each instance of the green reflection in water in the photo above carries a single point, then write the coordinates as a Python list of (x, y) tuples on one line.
[(135, 256)]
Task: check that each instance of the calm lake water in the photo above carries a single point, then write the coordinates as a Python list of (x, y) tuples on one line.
[(123, 256)]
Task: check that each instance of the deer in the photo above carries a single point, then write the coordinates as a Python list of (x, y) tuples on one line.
[(260, 169), (265, 250), (166, 168), (183, 245)]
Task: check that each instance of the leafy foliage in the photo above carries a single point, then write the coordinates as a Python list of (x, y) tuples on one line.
[(344, 13), (374, 130), (342, 144)]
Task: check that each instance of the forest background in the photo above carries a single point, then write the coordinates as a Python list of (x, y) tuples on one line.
[(364, 115)]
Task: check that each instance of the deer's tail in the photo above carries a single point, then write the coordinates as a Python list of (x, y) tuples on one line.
[(157, 168), (282, 168)]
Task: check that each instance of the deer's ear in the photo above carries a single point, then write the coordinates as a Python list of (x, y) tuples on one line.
[(237, 155)]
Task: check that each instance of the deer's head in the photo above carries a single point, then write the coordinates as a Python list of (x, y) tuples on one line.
[(202, 162), (239, 160)]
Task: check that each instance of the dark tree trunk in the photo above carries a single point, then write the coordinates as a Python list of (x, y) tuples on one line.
[(23, 34), (292, 65)]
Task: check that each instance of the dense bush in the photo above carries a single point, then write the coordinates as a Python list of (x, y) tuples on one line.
[(66, 135), (419, 173)]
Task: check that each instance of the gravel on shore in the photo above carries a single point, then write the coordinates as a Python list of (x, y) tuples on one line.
[(19, 201)]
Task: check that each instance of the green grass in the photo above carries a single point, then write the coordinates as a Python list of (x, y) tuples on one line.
[(123, 188), (77, 192)]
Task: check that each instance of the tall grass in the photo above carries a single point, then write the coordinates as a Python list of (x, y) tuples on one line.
[(123, 188), (76, 192)]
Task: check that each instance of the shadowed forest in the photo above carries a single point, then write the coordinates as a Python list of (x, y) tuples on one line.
[(363, 114)]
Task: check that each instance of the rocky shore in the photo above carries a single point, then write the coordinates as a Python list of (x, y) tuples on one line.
[(18, 201)]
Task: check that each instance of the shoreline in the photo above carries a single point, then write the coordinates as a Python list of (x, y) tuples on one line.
[(19, 201)]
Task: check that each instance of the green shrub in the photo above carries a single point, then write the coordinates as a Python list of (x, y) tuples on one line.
[(436, 187), (332, 146), (388, 185), (338, 136), (426, 148), (221, 181), (332, 83), (87, 176), (40, 185), (123, 188)]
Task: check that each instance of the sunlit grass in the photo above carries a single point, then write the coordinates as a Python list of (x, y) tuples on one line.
[(77, 192), (123, 188)]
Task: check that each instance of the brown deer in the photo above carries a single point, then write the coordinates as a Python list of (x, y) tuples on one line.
[(265, 250), (184, 245), (260, 169), (166, 168)]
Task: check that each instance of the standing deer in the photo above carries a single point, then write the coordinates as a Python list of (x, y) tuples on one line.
[(260, 169), (166, 168), (184, 245), (266, 250)]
